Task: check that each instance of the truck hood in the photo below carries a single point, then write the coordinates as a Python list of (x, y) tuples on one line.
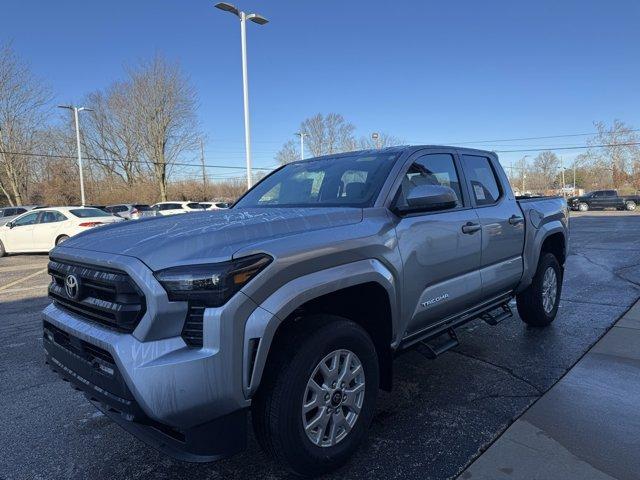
[(206, 237)]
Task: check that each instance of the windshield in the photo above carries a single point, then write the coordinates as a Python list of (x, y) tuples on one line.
[(89, 213), (349, 181)]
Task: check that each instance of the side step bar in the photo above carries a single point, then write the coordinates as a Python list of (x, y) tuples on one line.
[(432, 344), (494, 317), (432, 349)]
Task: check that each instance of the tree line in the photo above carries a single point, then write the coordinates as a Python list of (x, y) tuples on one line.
[(143, 129)]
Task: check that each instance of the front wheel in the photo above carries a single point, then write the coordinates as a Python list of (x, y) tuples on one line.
[(3, 252), (538, 303), (317, 400), (583, 207), (631, 206)]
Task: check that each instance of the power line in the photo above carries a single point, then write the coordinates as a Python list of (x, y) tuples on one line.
[(180, 164), (541, 138), (576, 147)]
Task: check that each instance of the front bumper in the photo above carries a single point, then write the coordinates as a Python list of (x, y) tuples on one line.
[(186, 402), (93, 371)]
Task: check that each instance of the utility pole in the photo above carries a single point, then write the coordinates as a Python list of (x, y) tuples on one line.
[(260, 20), (76, 110), (301, 135), (204, 172)]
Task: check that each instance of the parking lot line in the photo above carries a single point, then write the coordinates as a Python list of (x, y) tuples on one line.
[(17, 268), (25, 289), (20, 280)]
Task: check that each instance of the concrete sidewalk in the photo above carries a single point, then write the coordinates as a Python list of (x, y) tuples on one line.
[(587, 426)]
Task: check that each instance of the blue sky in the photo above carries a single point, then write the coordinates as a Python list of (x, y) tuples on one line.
[(424, 71)]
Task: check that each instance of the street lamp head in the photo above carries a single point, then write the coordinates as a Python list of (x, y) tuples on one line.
[(227, 7), (66, 106), (257, 18)]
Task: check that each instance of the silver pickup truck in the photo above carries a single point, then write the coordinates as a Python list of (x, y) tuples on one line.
[(294, 302)]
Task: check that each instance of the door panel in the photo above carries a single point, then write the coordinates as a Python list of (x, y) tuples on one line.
[(502, 223), (441, 263), (46, 231), (20, 237)]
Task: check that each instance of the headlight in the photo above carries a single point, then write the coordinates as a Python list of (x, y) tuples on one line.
[(211, 284)]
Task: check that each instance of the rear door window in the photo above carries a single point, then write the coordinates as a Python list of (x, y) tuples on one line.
[(51, 217), (483, 184)]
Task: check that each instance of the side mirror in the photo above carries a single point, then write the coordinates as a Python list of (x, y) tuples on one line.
[(10, 225), (425, 198)]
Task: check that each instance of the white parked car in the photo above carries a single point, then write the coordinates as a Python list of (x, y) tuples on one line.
[(41, 230), (173, 208)]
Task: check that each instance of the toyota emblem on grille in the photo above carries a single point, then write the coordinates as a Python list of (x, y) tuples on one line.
[(72, 286)]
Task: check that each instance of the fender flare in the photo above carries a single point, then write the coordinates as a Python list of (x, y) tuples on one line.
[(532, 252), (262, 324)]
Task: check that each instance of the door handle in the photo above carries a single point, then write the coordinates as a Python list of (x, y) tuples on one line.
[(470, 228), (515, 220)]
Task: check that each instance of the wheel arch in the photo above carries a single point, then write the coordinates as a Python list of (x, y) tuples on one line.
[(363, 291)]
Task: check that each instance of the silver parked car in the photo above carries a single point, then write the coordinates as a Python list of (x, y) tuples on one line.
[(130, 211), (9, 213)]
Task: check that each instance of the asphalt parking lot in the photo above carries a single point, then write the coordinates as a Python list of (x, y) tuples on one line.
[(440, 416)]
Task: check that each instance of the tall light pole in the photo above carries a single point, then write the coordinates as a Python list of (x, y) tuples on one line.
[(76, 110), (260, 20), (301, 135), (524, 175)]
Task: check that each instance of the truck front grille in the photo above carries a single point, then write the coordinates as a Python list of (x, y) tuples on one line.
[(102, 295)]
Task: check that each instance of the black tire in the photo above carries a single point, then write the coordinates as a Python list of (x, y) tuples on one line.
[(3, 252), (277, 408), (531, 300), (61, 238)]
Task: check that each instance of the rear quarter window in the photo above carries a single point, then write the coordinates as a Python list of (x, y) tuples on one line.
[(88, 212), (483, 183)]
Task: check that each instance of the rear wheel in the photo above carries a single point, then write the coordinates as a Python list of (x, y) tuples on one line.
[(630, 205), (61, 238), (318, 396), (538, 303), (583, 207)]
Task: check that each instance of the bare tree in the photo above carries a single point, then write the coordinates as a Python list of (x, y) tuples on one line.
[(288, 153), (328, 134), (384, 140), (110, 134), (164, 116), (542, 173), (614, 150), (23, 100)]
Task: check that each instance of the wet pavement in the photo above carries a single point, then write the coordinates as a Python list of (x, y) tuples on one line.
[(440, 416), (586, 426)]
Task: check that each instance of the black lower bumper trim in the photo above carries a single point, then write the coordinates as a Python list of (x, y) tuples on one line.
[(211, 441)]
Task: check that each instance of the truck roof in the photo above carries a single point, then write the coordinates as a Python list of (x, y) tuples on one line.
[(401, 149)]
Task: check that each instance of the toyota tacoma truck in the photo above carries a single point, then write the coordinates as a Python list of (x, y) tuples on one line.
[(292, 304), (601, 199)]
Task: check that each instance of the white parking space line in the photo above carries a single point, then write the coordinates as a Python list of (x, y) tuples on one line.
[(25, 289), (17, 268), (20, 280)]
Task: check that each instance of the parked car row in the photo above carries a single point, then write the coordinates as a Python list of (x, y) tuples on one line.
[(39, 230)]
